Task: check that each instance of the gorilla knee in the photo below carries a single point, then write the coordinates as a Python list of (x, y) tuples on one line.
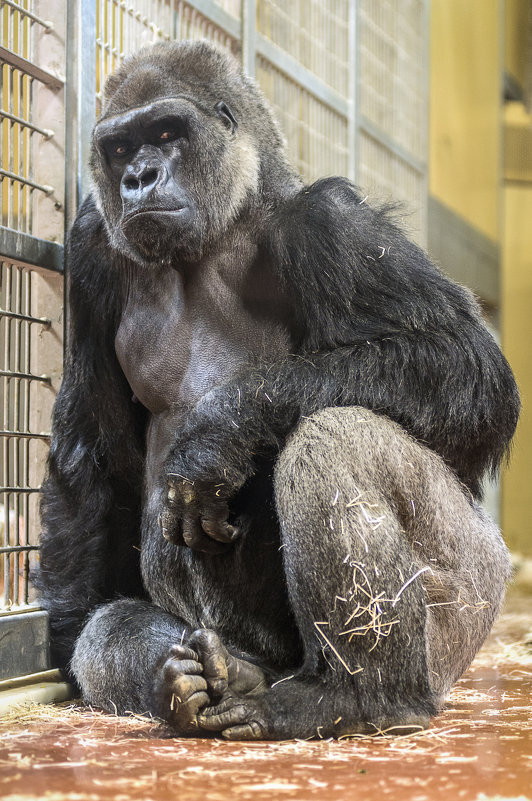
[(337, 453)]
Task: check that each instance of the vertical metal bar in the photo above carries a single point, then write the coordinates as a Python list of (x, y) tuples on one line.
[(24, 557), (80, 99), (249, 21), (6, 286), (28, 52), (17, 478), (80, 112), (353, 128), (501, 10)]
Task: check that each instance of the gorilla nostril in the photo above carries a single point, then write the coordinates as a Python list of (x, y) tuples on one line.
[(149, 177), (131, 183)]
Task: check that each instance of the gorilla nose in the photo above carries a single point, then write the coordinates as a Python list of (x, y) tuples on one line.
[(138, 181)]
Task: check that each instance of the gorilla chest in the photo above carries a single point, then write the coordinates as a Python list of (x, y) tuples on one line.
[(174, 344)]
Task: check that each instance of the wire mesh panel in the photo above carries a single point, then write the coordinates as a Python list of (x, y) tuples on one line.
[(17, 128), (393, 90), (233, 7), (24, 394), (313, 32), (192, 24), (385, 176), (392, 101), (124, 27), (316, 136)]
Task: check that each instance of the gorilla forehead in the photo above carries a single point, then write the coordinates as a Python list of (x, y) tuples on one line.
[(190, 69)]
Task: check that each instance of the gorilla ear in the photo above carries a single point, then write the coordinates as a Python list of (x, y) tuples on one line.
[(227, 116)]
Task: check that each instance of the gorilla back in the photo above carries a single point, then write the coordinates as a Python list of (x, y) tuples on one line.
[(261, 515)]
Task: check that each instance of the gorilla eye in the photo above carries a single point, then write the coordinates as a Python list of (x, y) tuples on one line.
[(168, 135), (119, 149)]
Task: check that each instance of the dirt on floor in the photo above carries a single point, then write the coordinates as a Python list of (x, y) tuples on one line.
[(480, 748)]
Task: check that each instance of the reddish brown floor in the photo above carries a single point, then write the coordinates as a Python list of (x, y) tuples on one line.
[(479, 748)]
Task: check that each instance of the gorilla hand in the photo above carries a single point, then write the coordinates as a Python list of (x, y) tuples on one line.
[(196, 514), (208, 464)]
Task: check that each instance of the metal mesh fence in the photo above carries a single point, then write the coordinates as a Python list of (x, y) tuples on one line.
[(16, 128), (313, 32), (124, 27), (316, 136), (32, 177), (393, 105), (23, 445)]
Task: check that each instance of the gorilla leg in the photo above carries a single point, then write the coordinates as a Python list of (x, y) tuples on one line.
[(130, 657), (394, 576), (124, 662)]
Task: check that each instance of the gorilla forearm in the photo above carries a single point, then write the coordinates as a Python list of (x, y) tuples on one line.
[(452, 407)]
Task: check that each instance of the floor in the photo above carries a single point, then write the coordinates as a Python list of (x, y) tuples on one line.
[(480, 748)]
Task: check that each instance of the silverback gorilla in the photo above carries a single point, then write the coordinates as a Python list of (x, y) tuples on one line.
[(261, 516)]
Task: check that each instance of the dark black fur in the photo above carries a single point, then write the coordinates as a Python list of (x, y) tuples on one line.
[(369, 322)]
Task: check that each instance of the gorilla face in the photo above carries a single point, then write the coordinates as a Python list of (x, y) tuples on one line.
[(160, 170)]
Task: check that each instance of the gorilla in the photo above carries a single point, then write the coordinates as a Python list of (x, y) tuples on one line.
[(261, 516)]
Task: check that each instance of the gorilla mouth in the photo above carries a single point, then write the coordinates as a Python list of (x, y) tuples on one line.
[(153, 232), (156, 211)]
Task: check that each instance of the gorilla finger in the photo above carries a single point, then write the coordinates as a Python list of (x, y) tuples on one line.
[(174, 668), (187, 667), (212, 719), (213, 656), (170, 527), (196, 540), (187, 712), (183, 652), (218, 530), (185, 686), (248, 731)]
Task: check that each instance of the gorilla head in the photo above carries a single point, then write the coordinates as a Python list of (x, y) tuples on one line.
[(185, 144)]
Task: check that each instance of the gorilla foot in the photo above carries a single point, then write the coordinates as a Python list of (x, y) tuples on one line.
[(224, 672), (199, 674), (237, 718), (252, 718)]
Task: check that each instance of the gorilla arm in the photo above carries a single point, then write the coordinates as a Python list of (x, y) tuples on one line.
[(91, 496), (382, 328)]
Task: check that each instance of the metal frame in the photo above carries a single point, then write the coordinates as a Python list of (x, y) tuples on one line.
[(55, 82), (80, 100)]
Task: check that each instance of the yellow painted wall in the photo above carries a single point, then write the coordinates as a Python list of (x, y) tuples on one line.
[(516, 35), (516, 281), (516, 286), (465, 126)]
